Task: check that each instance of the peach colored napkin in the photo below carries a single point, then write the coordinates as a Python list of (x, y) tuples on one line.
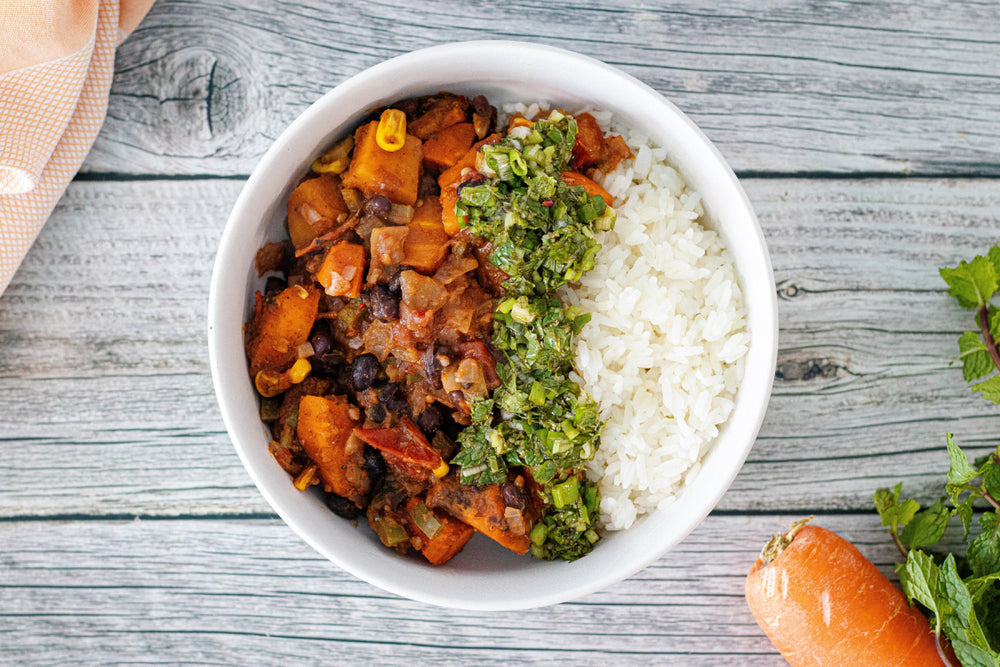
[(56, 63)]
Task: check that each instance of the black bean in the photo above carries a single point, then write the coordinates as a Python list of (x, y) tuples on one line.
[(513, 495), (321, 343), (430, 419), (363, 371), (381, 302), (379, 206), (399, 404), (377, 413), (374, 465), (388, 391), (341, 506), (456, 397)]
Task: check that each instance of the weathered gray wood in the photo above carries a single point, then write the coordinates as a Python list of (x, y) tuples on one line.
[(242, 592), (107, 408), (899, 87)]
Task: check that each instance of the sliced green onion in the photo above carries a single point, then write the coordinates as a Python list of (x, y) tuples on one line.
[(538, 534), (566, 492)]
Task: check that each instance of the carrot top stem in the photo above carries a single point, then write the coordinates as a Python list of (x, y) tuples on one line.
[(779, 542)]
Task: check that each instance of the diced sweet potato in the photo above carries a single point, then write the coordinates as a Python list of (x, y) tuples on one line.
[(450, 538), (447, 146), (375, 171), (453, 174), (315, 207), (589, 148), (427, 243), (481, 507), (343, 270), (279, 325), (325, 430), (443, 113), (572, 178)]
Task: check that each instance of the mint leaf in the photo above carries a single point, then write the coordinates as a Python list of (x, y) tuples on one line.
[(894, 514), (964, 511), (990, 389), (972, 283), (978, 586), (972, 656), (983, 553), (960, 471), (919, 580), (994, 255), (953, 590), (976, 362), (927, 526)]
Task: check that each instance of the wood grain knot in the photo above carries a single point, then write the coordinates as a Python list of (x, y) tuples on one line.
[(807, 369), (787, 290)]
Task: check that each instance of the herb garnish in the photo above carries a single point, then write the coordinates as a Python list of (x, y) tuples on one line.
[(543, 236), (960, 592)]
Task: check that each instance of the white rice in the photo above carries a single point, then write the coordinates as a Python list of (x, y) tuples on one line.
[(663, 353)]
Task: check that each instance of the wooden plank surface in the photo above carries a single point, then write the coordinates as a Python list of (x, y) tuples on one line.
[(901, 86), (109, 408), (224, 592)]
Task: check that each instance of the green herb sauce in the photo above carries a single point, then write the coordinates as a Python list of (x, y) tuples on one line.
[(543, 236)]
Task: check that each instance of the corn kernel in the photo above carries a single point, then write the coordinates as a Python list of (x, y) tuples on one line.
[(390, 135), (335, 160), (305, 478), (441, 470), (299, 371)]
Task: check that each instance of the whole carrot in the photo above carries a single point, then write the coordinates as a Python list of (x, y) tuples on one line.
[(822, 603)]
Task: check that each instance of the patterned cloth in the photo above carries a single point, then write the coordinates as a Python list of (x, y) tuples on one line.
[(53, 98)]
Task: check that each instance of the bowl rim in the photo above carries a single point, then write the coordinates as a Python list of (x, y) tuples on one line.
[(764, 357)]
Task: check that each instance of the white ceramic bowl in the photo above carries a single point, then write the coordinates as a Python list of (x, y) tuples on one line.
[(485, 576)]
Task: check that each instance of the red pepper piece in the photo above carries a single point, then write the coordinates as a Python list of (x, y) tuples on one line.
[(405, 441)]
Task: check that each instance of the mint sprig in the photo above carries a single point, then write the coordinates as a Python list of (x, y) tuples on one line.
[(960, 593), (973, 284)]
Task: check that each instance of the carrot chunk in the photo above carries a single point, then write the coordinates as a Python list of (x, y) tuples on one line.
[(823, 603), (447, 146), (373, 170), (343, 270)]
